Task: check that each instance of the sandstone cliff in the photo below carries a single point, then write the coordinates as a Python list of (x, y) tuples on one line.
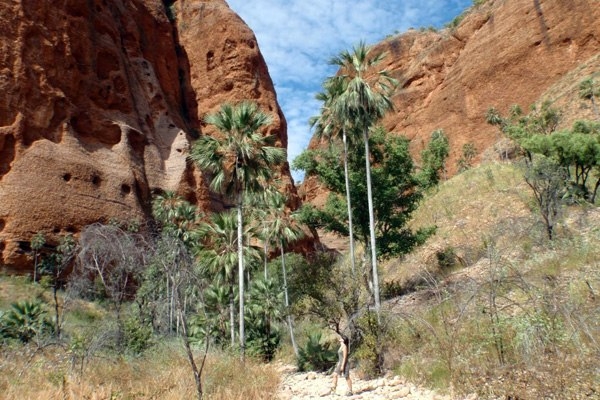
[(100, 102), (504, 52)]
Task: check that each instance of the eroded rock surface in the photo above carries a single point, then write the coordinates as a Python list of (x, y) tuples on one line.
[(100, 101)]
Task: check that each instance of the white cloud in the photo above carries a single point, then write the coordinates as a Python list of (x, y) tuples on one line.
[(298, 37)]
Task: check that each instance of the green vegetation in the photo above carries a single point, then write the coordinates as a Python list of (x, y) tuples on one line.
[(502, 303), (395, 186)]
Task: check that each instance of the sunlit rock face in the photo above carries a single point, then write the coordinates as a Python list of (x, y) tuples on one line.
[(100, 102), (502, 53)]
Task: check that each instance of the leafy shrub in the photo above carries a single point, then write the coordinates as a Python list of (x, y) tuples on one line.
[(262, 341), (137, 335), (316, 356), (369, 352), (446, 258), (25, 321)]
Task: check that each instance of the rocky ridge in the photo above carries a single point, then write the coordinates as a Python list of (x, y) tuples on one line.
[(502, 52)]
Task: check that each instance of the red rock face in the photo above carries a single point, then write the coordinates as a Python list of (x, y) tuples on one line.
[(100, 100), (503, 53), (227, 67)]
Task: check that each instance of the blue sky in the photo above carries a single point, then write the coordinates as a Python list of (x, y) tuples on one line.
[(298, 37)]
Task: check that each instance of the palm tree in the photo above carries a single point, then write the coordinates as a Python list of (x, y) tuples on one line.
[(330, 124), (365, 100), (177, 216), (282, 227), (219, 255), (241, 161)]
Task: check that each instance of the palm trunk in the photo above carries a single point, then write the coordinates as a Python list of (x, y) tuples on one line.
[(231, 316), (349, 203), (287, 302), (266, 249), (241, 276), (372, 224)]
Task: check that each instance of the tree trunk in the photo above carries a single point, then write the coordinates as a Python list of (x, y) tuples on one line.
[(231, 316), (372, 224), (188, 349), (56, 308), (266, 250), (241, 277), (287, 301), (593, 199), (595, 107), (35, 267), (348, 201)]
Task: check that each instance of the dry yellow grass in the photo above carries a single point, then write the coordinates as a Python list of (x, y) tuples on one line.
[(517, 317), (163, 373), (470, 208)]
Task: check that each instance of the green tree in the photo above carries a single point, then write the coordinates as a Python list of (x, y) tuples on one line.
[(53, 270), (396, 193), (284, 229), (241, 161), (547, 180), (542, 119), (576, 150), (365, 100), (466, 160), (265, 307), (590, 90), (433, 159), (177, 216)]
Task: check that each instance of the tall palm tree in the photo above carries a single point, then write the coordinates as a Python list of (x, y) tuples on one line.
[(365, 100), (330, 124), (177, 216), (219, 255), (283, 229), (241, 161)]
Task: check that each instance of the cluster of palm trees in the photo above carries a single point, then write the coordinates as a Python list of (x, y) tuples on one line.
[(353, 101), (241, 163)]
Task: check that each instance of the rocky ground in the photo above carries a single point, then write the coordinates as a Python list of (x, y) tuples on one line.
[(312, 385)]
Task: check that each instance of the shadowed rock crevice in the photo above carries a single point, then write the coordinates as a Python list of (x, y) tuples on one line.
[(7, 153)]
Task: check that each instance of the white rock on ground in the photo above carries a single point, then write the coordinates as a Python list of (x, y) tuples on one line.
[(313, 385)]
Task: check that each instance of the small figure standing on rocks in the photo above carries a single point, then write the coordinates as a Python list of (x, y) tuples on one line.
[(343, 366)]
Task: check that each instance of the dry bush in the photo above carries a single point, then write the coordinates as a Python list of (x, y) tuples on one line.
[(518, 318)]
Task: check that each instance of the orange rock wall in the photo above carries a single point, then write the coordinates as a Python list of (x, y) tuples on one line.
[(100, 101), (503, 53)]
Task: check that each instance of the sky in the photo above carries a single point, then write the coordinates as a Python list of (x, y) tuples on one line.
[(298, 37)]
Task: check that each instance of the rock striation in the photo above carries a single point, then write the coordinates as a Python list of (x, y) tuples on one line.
[(101, 100), (503, 52)]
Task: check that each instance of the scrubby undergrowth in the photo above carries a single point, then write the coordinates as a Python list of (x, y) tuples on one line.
[(492, 306)]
